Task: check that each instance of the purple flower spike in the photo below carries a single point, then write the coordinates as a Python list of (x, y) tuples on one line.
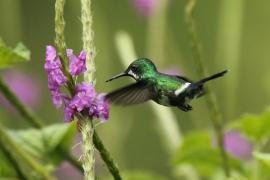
[(56, 77), (77, 64), (50, 53), (237, 145), (84, 97), (57, 97), (52, 60), (100, 109), (68, 111), (103, 107)]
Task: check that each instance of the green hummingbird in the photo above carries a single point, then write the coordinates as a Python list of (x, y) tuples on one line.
[(164, 89)]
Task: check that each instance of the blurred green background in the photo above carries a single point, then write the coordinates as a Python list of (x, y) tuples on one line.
[(234, 35)]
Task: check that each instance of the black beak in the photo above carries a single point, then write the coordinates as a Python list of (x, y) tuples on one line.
[(118, 76)]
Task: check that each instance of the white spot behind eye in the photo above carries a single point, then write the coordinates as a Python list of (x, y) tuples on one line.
[(181, 89), (130, 72)]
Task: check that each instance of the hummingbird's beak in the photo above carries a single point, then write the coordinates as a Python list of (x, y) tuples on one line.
[(118, 76)]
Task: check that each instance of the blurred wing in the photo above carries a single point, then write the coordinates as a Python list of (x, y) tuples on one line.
[(131, 94), (184, 78)]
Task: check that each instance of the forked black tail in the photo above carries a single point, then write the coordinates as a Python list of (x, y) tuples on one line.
[(204, 80), (196, 89)]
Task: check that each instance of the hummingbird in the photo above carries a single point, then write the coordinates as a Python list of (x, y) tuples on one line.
[(164, 89)]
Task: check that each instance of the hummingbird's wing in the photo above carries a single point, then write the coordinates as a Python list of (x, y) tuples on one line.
[(184, 78), (132, 94)]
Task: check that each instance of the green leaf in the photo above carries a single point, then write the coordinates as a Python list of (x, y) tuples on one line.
[(43, 143), (9, 56), (255, 127), (263, 164), (262, 157), (198, 151), (5, 167)]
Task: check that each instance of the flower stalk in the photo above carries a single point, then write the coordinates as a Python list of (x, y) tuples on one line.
[(60, 39), (88, 150), (88, 40), (87, 128), (216, 118)]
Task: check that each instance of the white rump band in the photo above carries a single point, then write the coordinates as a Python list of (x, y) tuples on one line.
[(183, 88)]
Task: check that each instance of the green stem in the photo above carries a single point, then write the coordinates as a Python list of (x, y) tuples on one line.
[(12, 160), (87, 128), (88, 40), (156, 32), (88, 150), (106, 157), (60, 40), (29, 116), (210, 99), (229, 34), (25, 157)]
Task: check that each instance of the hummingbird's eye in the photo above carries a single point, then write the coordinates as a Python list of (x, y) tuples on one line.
[(134, 68)]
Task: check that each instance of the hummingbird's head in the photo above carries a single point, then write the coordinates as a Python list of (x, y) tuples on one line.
[(139, 69)]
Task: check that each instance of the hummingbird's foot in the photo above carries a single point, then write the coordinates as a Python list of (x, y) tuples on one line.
[(185, 107)]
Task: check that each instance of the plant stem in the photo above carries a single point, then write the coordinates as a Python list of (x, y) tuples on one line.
[(156, 32), (229, 35), (25, 157), (30, 116), (88, 150), (106, 157), (87, 128), (60, 40), (210, 99), (88, 40), (12, 160)]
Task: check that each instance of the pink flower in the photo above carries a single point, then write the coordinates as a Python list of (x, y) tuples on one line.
[(85, 98), (237, 145), (24, 86), (77, 64), (145, 7), (100, 108), (56, 77)]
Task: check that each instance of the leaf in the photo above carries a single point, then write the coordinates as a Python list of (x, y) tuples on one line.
[(256, 127), (9, 56), (263, 164), (43, 143), (5, 167), (262, 157), (198, 151)]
